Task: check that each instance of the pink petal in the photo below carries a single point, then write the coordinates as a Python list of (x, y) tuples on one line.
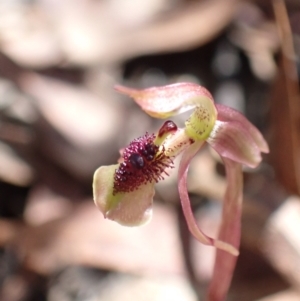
[(230, 231), (128, 209), (186, 205), (162, 102), (232, 140), (228, 114)]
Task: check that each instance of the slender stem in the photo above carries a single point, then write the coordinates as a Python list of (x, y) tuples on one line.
[(230, 232)]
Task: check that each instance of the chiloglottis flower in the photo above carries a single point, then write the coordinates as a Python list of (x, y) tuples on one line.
[(124, 192)]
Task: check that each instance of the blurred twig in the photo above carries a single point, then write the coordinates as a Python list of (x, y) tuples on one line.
[(285, 107)]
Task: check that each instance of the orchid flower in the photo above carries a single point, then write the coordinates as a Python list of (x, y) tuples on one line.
[(124, 192)]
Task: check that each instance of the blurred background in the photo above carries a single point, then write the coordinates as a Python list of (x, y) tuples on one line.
[(60, 119)]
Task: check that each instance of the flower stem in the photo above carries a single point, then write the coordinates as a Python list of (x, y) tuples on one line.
[(230, 231)]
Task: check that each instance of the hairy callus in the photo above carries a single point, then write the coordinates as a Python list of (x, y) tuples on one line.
[(143, 162)]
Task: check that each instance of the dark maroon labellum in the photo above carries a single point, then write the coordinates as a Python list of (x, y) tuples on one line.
[(167, 128), (136, 160), (143, 163)]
